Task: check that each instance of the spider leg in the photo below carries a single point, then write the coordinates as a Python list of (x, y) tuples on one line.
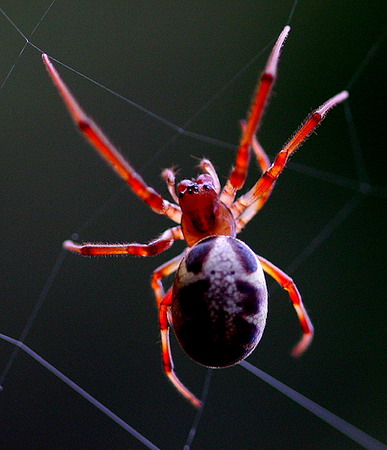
[(288, 284), (266, 182), (161, 272), (238, 175), (264, 163), (167, 356), (164, 303), (262, 158), (109, 152), (154, 247)]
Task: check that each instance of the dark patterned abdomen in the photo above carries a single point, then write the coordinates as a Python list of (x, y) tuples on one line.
[(219, 302)]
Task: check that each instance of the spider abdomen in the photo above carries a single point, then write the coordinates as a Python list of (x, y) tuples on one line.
[(219, 305)]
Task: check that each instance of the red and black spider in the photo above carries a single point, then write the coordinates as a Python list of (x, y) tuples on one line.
[(218, 302)]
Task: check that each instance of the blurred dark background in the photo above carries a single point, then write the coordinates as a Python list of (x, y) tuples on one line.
[(98, 323)]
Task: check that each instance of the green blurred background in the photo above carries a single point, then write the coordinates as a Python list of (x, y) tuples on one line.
[(99, 324)]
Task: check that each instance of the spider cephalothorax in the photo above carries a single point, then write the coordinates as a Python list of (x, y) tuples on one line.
[(219, 299), (203, 213)]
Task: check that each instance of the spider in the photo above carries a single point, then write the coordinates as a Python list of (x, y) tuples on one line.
[(218, 302)]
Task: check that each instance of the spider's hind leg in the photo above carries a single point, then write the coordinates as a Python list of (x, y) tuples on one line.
[(295, 297), (164, 303)]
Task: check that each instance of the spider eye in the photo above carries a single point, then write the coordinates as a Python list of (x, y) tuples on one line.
[(205, 181), (187, 186)]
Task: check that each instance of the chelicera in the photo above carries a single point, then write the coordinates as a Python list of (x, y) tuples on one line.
[(218, 301)]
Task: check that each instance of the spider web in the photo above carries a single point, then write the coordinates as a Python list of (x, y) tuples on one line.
[(324, 223)]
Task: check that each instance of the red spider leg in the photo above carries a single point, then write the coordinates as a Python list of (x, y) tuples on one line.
[(287, 283), (262, 158), (161, 272), (268, 179), (107, 150), (238, 175), (264, 163), (155, 247), (166, 353), (164, 303)]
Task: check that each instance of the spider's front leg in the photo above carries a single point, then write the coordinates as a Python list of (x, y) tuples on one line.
[(268, 179), (109, 152), (238, 175), (264, 164)]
